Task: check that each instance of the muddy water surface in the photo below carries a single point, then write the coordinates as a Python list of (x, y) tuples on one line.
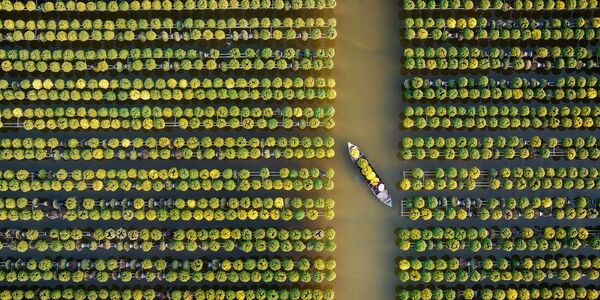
[(367, 110)]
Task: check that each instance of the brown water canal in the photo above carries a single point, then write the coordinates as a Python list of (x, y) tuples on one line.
[(367, 110)]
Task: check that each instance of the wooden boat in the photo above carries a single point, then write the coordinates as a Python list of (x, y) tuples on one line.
[(368, 173)]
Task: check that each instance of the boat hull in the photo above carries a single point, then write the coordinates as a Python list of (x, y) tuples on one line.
[(380, 190)]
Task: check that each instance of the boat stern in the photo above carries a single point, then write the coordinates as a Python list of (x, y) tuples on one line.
[(388, 202)]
